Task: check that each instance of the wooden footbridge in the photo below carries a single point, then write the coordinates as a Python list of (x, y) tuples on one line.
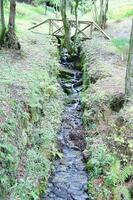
[(85, 28)]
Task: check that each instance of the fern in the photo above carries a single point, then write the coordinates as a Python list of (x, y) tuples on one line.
[(113, 175), (116, 179), (118, 175), (121, 192), (125, 173)]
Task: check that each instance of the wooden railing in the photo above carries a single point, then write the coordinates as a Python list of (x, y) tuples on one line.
[(56, 27)]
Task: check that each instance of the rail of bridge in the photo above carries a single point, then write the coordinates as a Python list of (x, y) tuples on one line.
[(54, 23)]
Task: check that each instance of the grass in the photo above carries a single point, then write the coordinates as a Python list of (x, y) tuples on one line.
[(121, 45), (30, 110), (27, 16), (109, 142), (122, 12)]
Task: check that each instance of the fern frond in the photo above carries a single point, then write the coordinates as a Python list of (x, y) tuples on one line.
[(113, 176), (125, 173), (121, 192)]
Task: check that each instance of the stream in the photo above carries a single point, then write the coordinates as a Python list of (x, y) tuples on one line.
[(69, 180)]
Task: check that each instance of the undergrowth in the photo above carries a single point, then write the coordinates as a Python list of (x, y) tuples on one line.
[(30, 114), (107, 178), (122, 46), (108, 121), (28, 136)]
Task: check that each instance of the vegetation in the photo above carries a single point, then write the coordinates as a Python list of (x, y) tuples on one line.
[(31, 98), (30, 116), (30, 113), (108, 120), (122, 46), (8, 37), (100, 10), (129, 76), (107, 178)]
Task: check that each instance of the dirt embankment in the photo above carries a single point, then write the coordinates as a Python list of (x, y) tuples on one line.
[(107, 117)]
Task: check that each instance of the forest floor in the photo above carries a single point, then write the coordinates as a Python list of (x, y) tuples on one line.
[(119, 28)]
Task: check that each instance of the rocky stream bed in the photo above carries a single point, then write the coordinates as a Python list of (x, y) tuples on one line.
[(69, 180)]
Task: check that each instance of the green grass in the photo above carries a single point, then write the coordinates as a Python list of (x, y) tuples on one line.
[(122, 12), (121, 45), (28, 15), (30, 109), (30, 116), (28, 12)]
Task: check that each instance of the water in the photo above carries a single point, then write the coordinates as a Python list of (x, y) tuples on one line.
[(69, 181)]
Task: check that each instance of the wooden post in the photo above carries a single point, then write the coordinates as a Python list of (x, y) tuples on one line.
[(53, 23), (91, 30), (52, 27), (49, 26)]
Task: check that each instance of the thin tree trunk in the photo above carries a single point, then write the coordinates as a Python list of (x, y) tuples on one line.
[(12, 16), (46, 8), (129, 72), (95, 11), (3, 25), (76, 16), (101, 16), (101, 13), (105, 13), (66, 24), (11, 39)]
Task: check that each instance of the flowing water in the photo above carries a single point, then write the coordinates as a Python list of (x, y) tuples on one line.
[(69, 181)]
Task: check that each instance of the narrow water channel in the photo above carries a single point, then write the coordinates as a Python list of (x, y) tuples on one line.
[(69, 181)]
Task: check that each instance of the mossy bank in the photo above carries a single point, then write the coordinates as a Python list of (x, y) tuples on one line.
[(31, 103), (108, 122)]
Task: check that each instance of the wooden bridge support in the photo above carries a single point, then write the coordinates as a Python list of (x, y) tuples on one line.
[(56, 28)]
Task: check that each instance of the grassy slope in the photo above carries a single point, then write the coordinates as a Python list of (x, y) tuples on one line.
[(30, 110), (109, 126)]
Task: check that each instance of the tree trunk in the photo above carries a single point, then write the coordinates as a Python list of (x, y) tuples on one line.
[(129, 72), (95, 13), (66, 24), (11, 39), (76, 17), (105, 13), (3, 25), (101, 15), (12, 16)]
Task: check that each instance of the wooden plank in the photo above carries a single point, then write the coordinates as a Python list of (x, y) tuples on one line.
[(80, 31), (50, 27), (84, 28), (80, 21), (103, 32), (58, 28), (39, 24), (91, 30), (52, 22)]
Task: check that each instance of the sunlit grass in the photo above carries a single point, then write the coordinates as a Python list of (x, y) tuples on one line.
[(121, 45), (121, 12), (28, 11)]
